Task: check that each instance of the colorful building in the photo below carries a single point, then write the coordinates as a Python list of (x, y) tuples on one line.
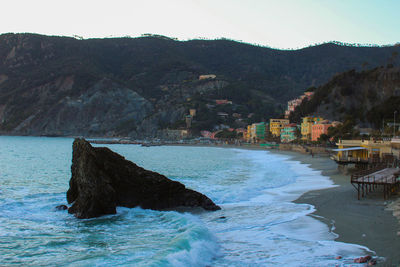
[(276, 125), (318, 129), (256, 132), (247, 137), (292, 104), (306, 127), (288, 133)]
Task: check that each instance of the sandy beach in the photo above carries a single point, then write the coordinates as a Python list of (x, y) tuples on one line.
[(366, 222), (369, 222)]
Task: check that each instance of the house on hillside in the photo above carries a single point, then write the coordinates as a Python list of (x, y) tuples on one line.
[(223, 102), (292, 104), (207, 76)]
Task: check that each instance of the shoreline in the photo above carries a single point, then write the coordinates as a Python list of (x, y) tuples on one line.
[(365, 222)]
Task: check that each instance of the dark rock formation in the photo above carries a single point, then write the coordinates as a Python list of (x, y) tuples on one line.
[(102, 180), (61, 207)]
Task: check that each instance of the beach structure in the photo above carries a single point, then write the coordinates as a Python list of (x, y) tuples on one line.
[(395, 144), (306, 127), (288, 133), (318, 129), (368, 180), (276, 125), (362, 151)]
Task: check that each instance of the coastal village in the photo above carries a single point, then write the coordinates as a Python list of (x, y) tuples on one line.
[(312, 134), (375, 158), (335, 157), (200, 133)]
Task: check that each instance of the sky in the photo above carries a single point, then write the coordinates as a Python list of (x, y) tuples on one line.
[(283, 24)]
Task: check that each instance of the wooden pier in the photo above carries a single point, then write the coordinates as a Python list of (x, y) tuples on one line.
[(368, 180)]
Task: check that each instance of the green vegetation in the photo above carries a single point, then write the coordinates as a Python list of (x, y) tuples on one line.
[(226, 134), (165, 72), (345, 130), (384, 112), (368, 96)]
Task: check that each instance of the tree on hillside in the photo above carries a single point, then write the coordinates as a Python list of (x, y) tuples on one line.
[(226, 134), (345, 130)]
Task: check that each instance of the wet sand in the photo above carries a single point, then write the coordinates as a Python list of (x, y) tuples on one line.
[(366, 222)]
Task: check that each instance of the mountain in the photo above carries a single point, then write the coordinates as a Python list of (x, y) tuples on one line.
[(367, 97), (138, 86)]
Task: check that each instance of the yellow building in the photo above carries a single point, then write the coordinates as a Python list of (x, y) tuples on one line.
[(248, 134), (256, 132), (306, 127), (352, 151), (276, 125)]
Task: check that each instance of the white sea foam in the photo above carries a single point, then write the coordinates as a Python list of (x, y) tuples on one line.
[(263, 227), (257, 226)]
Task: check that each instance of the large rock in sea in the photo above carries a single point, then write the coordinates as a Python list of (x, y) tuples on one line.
[(102, 180)]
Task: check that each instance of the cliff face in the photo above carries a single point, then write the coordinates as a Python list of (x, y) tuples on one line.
[(137, 87), (369, 97)]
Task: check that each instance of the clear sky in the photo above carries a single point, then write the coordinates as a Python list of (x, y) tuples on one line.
[(279, 24)]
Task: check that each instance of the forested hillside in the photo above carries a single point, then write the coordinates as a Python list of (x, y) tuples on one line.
[(139, 86), (367, 97)]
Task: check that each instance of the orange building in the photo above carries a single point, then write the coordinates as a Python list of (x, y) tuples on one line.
[(318, 129)]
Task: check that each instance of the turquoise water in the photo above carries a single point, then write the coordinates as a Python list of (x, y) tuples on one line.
[(257, 226)]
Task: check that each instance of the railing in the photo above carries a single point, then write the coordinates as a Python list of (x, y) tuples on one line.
[(349, 159), (349, 142), (366, 172)]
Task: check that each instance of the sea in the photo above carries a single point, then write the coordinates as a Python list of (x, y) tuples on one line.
[(258, 224)]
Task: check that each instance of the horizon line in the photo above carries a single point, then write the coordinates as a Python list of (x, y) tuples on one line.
[(161, 36)]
